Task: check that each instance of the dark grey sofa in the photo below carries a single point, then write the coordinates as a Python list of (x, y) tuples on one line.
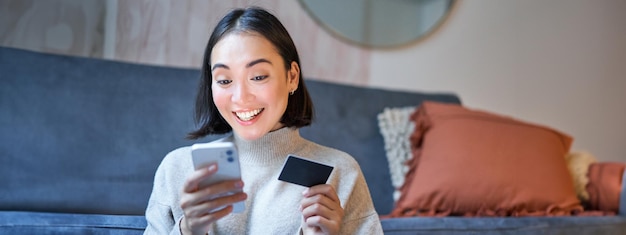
[(80, 140)]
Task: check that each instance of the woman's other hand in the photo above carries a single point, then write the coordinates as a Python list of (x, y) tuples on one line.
[(321, 210), (198, 204)]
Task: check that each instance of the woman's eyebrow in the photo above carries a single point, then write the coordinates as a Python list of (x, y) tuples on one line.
[(218, 65), (254, 62)]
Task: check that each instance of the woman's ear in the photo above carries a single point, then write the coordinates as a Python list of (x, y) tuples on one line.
[(293, 76)]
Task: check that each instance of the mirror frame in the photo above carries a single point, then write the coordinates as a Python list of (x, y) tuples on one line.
[(339, 35)]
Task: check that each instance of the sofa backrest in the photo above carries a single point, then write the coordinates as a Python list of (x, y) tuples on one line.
[(85, 135)]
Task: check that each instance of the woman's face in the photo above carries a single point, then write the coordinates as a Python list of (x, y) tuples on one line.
[(250, 83)]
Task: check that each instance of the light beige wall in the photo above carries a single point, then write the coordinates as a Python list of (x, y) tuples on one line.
[(560, 63), (56, 26), (165, 32)]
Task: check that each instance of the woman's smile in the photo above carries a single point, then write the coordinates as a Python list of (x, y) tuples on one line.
[(248, 115)]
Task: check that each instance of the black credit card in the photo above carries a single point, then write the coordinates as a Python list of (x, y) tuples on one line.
[(304, 172)]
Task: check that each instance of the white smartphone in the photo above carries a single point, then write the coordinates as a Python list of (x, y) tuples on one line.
[(227, 159)]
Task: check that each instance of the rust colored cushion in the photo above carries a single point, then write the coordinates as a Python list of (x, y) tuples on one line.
[(474, 163), (605, 185)]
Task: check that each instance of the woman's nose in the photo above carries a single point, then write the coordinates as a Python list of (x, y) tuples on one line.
[(242, 93)]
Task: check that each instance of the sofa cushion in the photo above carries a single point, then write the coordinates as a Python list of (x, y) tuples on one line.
[(470, 162), (396, 128), (578, 163), (15, 222), (605, 185), (504, 225)]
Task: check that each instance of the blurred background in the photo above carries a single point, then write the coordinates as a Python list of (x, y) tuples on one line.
[(558, 63)]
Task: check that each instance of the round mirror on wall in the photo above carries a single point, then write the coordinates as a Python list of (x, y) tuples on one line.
[(376, 23)]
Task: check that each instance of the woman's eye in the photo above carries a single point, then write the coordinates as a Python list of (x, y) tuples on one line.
[(259, 78), (223, 82)]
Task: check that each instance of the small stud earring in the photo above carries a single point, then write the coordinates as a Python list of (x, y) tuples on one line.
[(291, 92)]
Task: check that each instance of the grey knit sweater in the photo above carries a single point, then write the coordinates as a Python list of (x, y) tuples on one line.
[(272, 206)]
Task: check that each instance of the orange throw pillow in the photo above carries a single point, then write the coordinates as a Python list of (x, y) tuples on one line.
[(474, 163), (605, 185)]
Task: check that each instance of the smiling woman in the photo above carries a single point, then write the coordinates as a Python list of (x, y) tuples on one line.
[(252, 86), (373, 23)]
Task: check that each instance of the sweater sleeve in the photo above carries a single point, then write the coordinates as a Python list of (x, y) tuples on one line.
[(366, 225), (160, 214), (160, 220), (360, 217)]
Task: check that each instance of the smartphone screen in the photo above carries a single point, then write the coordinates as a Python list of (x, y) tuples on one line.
[(227, 159)]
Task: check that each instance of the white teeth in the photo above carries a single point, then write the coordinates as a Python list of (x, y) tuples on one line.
[(247, 116)]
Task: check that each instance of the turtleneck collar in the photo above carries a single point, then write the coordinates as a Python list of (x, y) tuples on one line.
[(272, 148)]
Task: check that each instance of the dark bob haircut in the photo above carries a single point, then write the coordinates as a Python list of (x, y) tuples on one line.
[(299, 110)]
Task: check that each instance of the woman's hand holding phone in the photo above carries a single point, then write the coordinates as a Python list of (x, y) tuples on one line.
[(211, 190), (204, 204)]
